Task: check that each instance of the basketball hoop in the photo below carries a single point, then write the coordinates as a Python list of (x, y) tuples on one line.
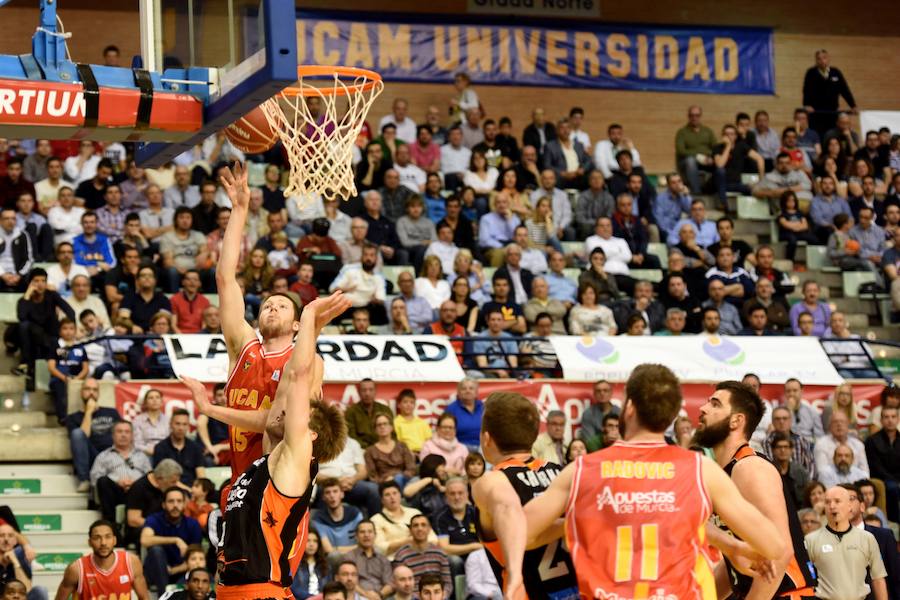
[(320, 144)]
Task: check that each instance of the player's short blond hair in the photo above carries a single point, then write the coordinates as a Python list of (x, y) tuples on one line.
[(327, 421)]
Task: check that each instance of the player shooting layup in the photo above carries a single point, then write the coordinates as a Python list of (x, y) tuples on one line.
[(266, 514), (636, 512)]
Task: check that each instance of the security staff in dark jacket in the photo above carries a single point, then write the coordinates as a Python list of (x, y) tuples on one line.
[(823, 87)]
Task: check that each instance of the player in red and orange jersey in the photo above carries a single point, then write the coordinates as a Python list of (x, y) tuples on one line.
[(105, 573), (266, 514), (636, 513)]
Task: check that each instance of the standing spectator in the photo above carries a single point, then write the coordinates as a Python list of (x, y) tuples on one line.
[(375, 573), (388, 459), (883, 455), (820, 311), (116, 469), (446, 445), (65, 364), (465, 97), (823, 86), (423, 556), (806, 421), (182, 249), (93, 250), (180, 448), (456, 525), (839, 433), (188, 304), (16, 253), (146, 301), (538, 132), (64, 217), (605, 151), (38, 322), (165, 537), (90, 431), (151, 426), (467, 409), (338, 521), (693, 149), (844, 555), (360, 416)]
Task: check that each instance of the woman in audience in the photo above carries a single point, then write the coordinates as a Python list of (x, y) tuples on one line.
[(605, 288), (792, 225), (154, 362), (426, 492), (387, 459), (842, 401), (466, 308), (152, 425), (541, 231), (859, 169), (636, 325), (392, 523), (257, 275), (589, 318), (576, 448), (832, 150), (814, 498), (474, 467), (430, 284), (467, 267), (444, 444), (313, 571), (830, 169), (473, 205), (519, 202), (480, 177), (410, 429)]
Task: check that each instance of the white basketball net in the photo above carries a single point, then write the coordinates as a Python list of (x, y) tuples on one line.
[(320, 146)]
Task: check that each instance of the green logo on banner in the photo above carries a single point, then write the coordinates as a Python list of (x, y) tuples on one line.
[(20, 486), (57, 561), (40, 522)]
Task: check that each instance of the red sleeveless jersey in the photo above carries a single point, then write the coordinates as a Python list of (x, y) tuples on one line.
[(251, 386), (635, 524), (96, 584)]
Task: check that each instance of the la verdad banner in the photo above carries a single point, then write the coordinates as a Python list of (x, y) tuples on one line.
[(697, 357), (547, 394), (347, 357), (581, 54)]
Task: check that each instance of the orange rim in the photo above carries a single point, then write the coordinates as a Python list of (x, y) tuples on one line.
[(371, 80)]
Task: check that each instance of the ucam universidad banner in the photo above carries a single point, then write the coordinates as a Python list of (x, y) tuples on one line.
[(774, 359), (431, 49)]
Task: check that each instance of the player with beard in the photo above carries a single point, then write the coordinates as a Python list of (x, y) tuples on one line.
[(266, 515), (636, 512), (104, 573), (727, 421)]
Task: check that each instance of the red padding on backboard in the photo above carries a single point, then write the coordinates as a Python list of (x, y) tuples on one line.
[(48, 104)]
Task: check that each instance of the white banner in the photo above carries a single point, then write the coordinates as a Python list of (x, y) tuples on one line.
[(347, 357), (873, 120), (697, 358)]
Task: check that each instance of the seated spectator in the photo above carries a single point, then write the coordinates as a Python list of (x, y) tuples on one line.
[(606, 151), (462, 227), (65, 364), (843, 251), (122, 280), (567, 158), (513, 320), (676, 296), (392, 523), (61, 273), (205, 213), (693, 260), (826, 205), (537, 351), (35, 225), (866, 198), (784, 179), (480, 175), (588, 317), (676, 319), (870, 237), (337, 522), (841, 469), (423, 557), (101, 353), (792, 472), (425, 153), (90, 431), (151, 360), (134, 184), (541, 303), (616, 251), (805, 324), (705, 230), (890, 264), (635, 233), (711, 321), (382, 232), (318, 241), (869, 495), (313, 573), (344, 586), (46, 188), (550, 445), (444, 444), (410, 174), (375, 573), (410, 430), (561, 287), (364, 286), (65, 218), (539, 230), (416, 231), (110, 216), (188, 304), (349, 468), (281, 257), (359, 416), (38, 322), (16, 253), (820, 311), (636, 325), (214, 433), (360, 323), (339, 222), (448, 325), (15, 569), (777, 318), (605, 285), (276, 224), (116, 469), (146, 301), (388, 459), (508, 185), (180, 448), (496, 229), (839, 433), (764, 269), (519, 277), (181, 193), (443, 248), (532, 260), (91, 191), (430, 285), (561, 207), (757, 323), (468, 410), (399, 320), (164, 562), (393, 195), (729, 317), (592, 203), (743, 253), (82, 300), (198, 506), (495, 351), (729, 157), (652, 311), (792, 225), (738, 283), (670, 204), (456, 525)]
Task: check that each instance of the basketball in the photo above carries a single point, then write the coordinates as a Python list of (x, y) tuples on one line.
[(252, 133), (852, 247)]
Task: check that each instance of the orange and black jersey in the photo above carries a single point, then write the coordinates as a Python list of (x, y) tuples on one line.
[(799, 576), (547, 571), (264, 531)]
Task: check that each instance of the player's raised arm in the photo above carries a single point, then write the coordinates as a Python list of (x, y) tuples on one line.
[(250, 420), (231, 302), (742, 517)]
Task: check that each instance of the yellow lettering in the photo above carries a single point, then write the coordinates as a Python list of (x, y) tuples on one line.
[(727, 65), (478, 52), (643, 63), (253, 399), (587, 52), (503, 62), (696, 64), (527, 53), (301, 41), (628, 469), (620, 64), (448, 61), (556, 53), (266, 403), (665, 57), (320, 56), (393, 48), (359, 52)]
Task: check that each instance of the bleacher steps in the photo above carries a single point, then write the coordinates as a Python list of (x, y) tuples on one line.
[(49, 580), (39, 444), (11, 471), (22, 419), (45, 502)]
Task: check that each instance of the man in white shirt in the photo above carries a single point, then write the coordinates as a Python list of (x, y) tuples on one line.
[(444, 248), (533, 259), (839, 433), (65, 217), (606, 150), (455, 158), (47, 190), (363, 286), (618, 254), (60, 274), (182, 193), (155, 219), (406, 127), (559, 200), (411, 175)]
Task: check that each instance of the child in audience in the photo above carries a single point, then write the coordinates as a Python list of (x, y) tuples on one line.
[(282, 257), (199, 506), (410, 429)]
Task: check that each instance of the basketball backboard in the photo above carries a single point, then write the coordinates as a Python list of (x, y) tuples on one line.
[(236, 53)]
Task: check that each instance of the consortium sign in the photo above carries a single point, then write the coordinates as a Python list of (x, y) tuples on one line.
[(587, 55)]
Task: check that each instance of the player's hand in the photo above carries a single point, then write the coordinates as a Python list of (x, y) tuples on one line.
[(182, 546), (235, 185), (327, 308), (515, 587), (750, 563), (198, 391)]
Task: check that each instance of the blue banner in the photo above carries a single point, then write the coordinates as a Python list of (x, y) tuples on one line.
[(583, 55)]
